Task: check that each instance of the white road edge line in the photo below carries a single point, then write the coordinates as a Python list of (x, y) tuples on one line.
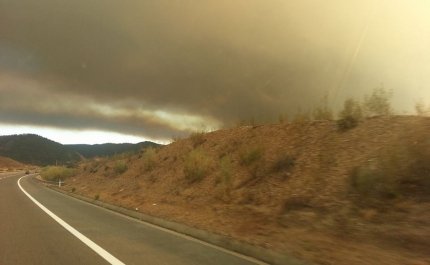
[(103, 253)]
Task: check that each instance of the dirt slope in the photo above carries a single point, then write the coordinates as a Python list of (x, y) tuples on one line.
[(9, 164), (286, 187)]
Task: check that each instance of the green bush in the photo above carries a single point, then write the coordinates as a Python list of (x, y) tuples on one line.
[(56, 173), (196, 165), (121, 167), (97, 197)]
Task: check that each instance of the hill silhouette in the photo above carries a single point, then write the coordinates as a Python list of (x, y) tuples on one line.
[(109, 149), (36, 150)]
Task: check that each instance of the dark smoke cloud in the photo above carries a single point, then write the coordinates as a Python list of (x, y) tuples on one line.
[(214, 61)]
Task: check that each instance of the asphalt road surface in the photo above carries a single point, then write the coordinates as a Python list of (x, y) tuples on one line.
[(29, 235)]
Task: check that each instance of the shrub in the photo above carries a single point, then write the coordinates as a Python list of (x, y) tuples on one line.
[(374, 182), (96, 163), (347, 123), (350, 115), (284, 162), (225, 169), (96, 197), (351, 108), (121, 167), (418, 167), (149, 158), (57, 173), (323, 111), (252, 156), (378, 103), (421, 109), (196, 165), (252, 159), (224, 177), (197, 138), (73, 189), (398, 170), (364, 179)]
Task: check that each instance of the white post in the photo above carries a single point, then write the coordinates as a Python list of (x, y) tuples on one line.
[(59, 183)]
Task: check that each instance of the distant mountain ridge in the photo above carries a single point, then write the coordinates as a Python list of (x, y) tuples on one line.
[(109, 149), (37, 150)]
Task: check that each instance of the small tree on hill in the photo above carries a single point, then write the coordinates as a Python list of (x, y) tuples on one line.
[(351, 108), (378, 103), (421, 109), (323, 111), (351, 114)]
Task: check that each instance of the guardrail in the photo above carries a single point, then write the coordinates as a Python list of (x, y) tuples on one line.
[(54, 183)]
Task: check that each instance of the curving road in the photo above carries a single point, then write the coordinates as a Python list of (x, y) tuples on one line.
[(28, 235)]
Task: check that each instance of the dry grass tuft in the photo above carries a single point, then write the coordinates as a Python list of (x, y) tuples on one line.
[(149, 158), (121, 167), (197, 138), (196, 165)]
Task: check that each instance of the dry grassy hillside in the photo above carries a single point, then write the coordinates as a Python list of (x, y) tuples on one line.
[(10, 164), (359, 196)]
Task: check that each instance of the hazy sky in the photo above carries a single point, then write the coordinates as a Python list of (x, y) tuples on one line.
[(162, 68)]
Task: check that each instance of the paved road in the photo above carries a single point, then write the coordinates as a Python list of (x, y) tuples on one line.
[(28, 235)]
